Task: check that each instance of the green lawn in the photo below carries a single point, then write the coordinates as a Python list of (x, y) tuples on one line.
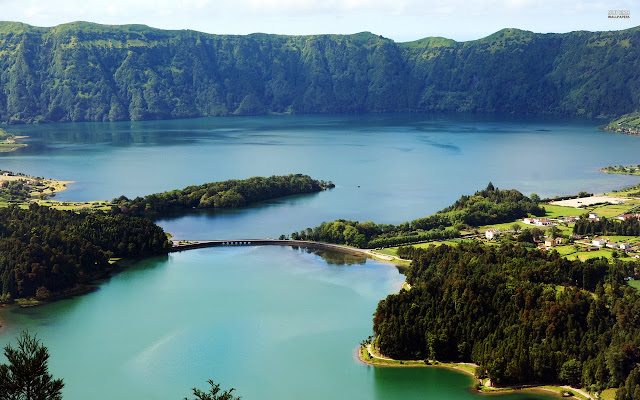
[(586, 255), (391, 251), (613, 209), (634, 284), (609, 394), (451, 242), (503, 227), (624, 239), (565, 250), (553, 211), (609, 210)]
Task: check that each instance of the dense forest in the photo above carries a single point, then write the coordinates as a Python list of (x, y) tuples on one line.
[(524, 316), (487, 206), (226, 194), (45, 251), (89, 72), (606, 226)]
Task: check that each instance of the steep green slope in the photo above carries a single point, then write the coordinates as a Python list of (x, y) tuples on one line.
[(89, 72)]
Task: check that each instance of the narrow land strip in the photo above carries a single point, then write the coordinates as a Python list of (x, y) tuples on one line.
[(368, 355)]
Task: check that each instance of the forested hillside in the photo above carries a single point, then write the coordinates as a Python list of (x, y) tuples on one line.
[(89, 72), (525, 316), (44, 251)]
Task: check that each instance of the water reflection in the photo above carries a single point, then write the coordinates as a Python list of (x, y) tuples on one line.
[(334, 257), (436, 383)]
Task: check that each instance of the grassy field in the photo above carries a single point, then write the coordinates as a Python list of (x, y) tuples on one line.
[(586, 255), (553, 211), (609, 394), (634, 284), (503, 227), (624, 239), (70, 205), (611, 210), (566, 249), (391, 251)]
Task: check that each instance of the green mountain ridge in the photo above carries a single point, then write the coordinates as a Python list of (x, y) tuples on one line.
[(83, 71)]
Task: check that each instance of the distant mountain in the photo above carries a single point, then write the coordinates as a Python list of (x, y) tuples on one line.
[(89, 72)]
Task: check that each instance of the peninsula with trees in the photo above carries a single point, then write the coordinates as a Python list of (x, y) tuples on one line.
[(47, 252), (488, 206), (523, 312), (227, 194), (621, 169)]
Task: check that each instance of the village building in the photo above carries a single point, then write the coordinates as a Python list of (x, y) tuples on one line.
[(599, 242), (492, 234), (544, 222)]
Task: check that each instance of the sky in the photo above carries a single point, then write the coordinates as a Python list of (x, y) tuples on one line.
[(400, 20)]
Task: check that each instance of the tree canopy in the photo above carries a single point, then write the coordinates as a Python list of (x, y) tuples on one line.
[(27, 377), (525, 316), (44, 251), (215, 393), (227, 194)]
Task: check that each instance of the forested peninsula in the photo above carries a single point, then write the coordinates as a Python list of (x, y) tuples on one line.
[(488, 206), (45, 251), (524, 316), (89, 72), (226, 194)]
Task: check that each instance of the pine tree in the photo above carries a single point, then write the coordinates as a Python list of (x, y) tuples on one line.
[(26, 377)]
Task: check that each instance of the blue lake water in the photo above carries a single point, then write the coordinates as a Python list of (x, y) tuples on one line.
[(279, 322)]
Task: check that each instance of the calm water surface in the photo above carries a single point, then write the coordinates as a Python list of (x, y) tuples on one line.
[(278, 322)]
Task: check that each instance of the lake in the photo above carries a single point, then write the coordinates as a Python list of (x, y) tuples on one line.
[(277, 322)]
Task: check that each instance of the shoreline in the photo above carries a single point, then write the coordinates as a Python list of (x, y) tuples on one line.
[(367, 356), (12, 140)]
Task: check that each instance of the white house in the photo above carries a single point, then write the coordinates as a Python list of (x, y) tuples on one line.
[(625, 246), (612, 245), (594, 216), (544, 222), (492, 234), (529, 221), (599, 242)]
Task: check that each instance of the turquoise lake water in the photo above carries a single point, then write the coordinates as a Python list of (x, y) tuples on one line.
[(277, 322)]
